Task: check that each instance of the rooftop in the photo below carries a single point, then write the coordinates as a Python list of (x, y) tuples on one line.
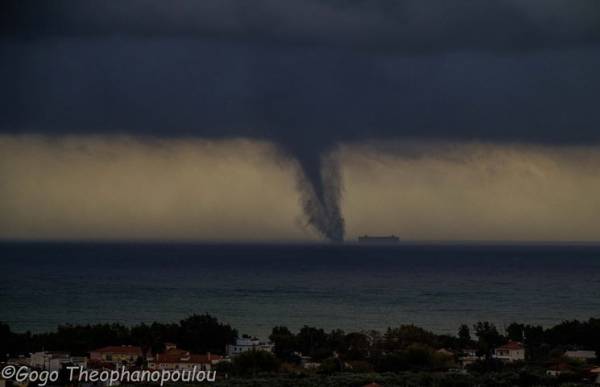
[(512, 345)]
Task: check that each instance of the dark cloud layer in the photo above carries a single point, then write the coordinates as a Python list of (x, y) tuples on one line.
[(299, 97), (503, 69), (403, 25), (304, 74)]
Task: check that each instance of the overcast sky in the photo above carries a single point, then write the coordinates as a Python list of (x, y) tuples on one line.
[(122, 188), (264, 90)]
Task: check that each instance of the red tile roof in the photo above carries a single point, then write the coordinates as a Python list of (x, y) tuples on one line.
[(172, 352), (512, 345)]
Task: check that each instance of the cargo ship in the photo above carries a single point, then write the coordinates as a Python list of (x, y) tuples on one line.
[(383, 239)]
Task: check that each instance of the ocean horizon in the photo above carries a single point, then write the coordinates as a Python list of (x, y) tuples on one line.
[(257, 286)]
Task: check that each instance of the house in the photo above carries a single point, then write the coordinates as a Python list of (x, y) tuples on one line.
[(595, 372), (124, 354), (468, 357), (511, 351), (469, 352), (77, 361), (248, 344), (307, 363), (559, 369), (445, 352), (19, 361), (54, 361), (178, 359), (45, 360), (581, 355)]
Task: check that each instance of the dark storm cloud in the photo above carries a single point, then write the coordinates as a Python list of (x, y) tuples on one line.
[(305, 75), (403, 25), (303, 98), (294, 69)]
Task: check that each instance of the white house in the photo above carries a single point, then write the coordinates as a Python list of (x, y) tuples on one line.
[(581, 355), (468, 357), (123, 354), (54, 361), (596, 373), (19, 361), (248, 344), (511, 351)]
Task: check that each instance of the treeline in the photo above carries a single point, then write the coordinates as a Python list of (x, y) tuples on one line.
[(414, 342), (410, 350), (357, 346), (409, 345), (197, 333), (541, 343)]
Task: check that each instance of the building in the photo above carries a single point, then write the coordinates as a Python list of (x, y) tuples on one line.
[(468, 357), (581, 355), (559, 369), (51, 361), (511, 351), (445, 352), (55, 361), (19, 361), (307, 362), (45, 360), (595, 372), (248, 344), (178, 359), (124, 354)]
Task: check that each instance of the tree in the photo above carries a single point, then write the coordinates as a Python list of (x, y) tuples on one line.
[(405, 335), (313, 342), (357, 346), (284, 341), (464, 335), (392, 362), (488, 338), (515, 332), (254, 362), (331, 365), (419, 356), (337, 340), (204, 333), (535, 348), (6, 341)]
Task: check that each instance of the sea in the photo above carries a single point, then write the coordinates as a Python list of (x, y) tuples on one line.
[(254, 287)]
